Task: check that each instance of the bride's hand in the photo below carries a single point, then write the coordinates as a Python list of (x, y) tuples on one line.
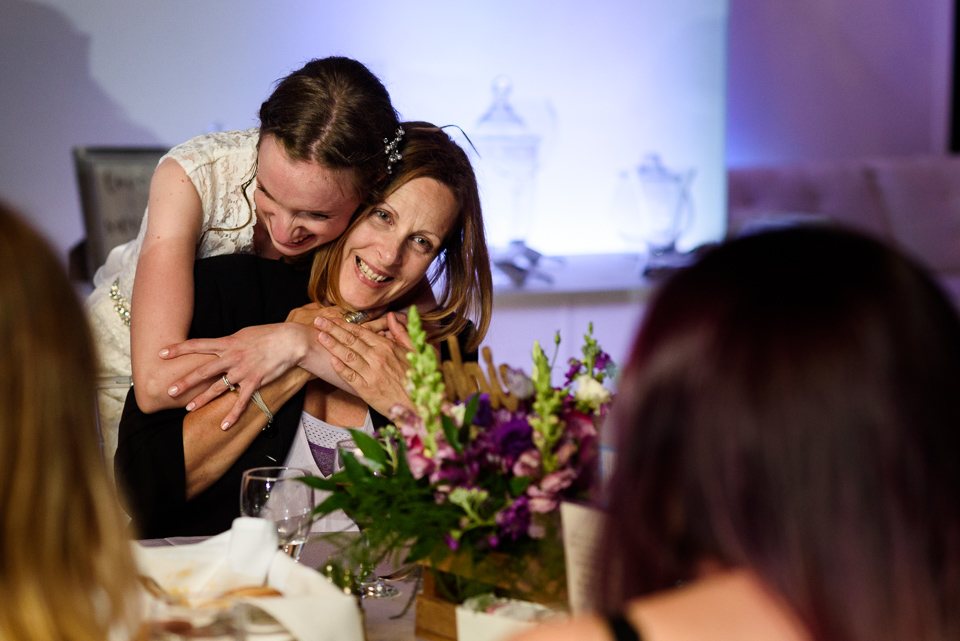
[(248, 360)]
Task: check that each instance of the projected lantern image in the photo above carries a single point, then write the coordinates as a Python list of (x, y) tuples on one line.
[(653, 205), (508, 163)]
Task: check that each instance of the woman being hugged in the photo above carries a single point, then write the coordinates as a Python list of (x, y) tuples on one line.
[(278, 191), (66, 568), (789, 431)]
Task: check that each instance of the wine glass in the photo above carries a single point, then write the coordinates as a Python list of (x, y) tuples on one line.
[(277, 494), (372, 586)]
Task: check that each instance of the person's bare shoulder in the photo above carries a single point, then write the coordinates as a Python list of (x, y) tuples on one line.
[(579, 629)]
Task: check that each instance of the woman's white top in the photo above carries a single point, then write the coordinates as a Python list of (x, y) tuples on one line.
[(300, 455)]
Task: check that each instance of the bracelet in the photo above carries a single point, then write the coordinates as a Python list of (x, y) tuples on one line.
[(263, 407)]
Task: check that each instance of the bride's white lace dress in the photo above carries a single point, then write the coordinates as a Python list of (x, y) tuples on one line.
[(222, 167)]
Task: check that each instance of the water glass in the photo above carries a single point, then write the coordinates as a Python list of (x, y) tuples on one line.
[(277, 494)]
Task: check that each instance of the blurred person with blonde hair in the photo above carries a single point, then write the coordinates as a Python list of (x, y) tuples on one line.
[(66, 569)]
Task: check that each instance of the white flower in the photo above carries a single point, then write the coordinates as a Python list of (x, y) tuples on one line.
[(457, 412), (518, 383), (591, 391)]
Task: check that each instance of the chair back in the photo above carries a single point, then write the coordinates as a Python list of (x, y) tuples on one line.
[(114, 188)]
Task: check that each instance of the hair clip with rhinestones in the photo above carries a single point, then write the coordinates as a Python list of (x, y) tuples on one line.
[(390, 148)]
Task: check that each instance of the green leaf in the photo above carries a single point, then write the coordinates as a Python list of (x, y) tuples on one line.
[(356, 471), (332, 503), (471, 410), (421, 549), (519, 485), (370, 447), (450, 431), (318, 483)]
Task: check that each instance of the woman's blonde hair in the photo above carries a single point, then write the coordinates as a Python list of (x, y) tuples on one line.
[(66, 568), (462, 264)]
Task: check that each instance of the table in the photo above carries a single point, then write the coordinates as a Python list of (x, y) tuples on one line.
[(378, 613)]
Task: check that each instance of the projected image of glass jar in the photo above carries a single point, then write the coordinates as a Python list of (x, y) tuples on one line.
[(653, 205), (507, 168)]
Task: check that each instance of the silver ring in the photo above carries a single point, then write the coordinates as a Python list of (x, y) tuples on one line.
[(355, 317), (230, 386)]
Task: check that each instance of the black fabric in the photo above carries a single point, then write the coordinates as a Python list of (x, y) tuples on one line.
[(231, 292), (622, 629)]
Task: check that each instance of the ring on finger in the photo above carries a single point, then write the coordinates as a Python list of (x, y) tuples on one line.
[(230, 386), (355, 317)]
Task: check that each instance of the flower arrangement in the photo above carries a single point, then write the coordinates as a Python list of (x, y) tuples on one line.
[(468, 477)]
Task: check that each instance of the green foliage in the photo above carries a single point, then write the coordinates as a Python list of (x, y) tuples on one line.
[(424, 380)]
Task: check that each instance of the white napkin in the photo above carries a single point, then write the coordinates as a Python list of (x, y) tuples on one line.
[(311, 608)]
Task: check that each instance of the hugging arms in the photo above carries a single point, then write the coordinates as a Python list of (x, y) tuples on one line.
[(427, 221)]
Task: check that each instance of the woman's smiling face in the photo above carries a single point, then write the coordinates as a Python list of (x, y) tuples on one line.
[(389, 252), (301, 204)]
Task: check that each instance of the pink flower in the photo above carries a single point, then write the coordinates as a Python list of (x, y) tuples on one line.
[(445, 452), (555, 482), (566, 452), (528, 464), (580, 426), (409, 423), (543, 506), (541, 501), (419, 464), (399, 414)]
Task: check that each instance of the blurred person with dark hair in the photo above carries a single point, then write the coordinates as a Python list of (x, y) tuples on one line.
[(66, 569), (789, 453)]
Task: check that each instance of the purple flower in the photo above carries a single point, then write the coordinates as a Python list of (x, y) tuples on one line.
[(514, 520), (603, 359), (575, 366), (451, 542), (484, 414), (509, 440), (449, 476)]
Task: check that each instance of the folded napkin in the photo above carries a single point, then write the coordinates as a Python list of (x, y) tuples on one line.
[(311, 608)]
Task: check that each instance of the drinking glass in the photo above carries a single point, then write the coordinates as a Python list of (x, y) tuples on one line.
[(277, 494), (372, 586)]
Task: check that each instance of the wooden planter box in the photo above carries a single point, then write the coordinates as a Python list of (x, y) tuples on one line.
[(436, 616)]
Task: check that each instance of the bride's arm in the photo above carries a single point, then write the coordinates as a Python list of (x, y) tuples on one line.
[(209, 450), (162, 307), (255, 356), (162, 301)]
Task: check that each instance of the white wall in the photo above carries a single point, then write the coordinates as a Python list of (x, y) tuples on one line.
[(833, 79), (807, 80), (602, 82)]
